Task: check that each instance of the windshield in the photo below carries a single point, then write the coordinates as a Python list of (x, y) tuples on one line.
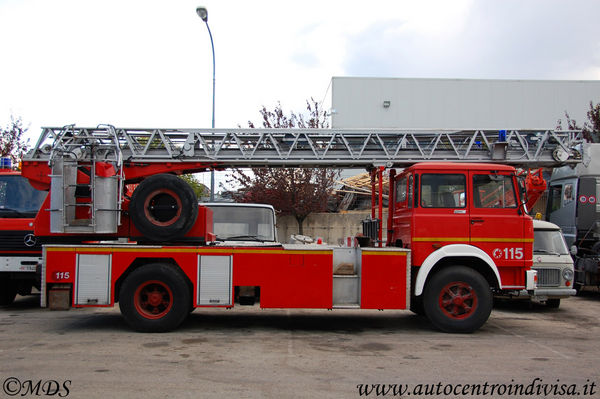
[(549, 242), (243, 223), (18, 199)]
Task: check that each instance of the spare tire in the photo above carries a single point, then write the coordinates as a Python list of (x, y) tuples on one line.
[(163, 207)]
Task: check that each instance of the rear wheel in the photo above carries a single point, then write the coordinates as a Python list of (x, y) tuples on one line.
[(458, 300), (163, 207), (8, 291), (155, 298), (553, 303)]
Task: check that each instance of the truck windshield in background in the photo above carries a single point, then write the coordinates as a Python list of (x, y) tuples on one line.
[(18, 199), (549, 242), (239, 222)]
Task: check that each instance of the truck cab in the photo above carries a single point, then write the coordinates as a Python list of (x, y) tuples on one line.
[(20, 251), (467, 214), (553, 263), (254, 223)]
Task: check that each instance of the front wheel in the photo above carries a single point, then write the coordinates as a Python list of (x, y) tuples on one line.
[(458, 300), (155, 298)]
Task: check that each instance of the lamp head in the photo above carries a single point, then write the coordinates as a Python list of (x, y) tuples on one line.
[(202, 13)]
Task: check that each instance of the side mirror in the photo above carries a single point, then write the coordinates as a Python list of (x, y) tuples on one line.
[(573, 250), (522, 188)]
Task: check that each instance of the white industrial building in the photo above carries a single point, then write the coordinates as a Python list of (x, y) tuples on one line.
[(458, 103)]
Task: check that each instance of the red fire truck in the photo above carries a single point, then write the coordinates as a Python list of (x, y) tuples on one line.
[(456, 231), (20, 251)]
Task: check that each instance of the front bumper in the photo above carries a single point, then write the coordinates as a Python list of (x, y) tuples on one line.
[(539, 294), (554, 292)]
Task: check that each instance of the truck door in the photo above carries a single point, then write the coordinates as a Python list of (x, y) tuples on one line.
[(562, 207), (441, 217), (497, 226), (587, 206)]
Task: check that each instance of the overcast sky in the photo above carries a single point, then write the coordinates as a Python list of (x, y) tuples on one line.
[(149, 63)]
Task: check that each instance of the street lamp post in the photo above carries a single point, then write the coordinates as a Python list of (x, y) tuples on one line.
[(203, 14)]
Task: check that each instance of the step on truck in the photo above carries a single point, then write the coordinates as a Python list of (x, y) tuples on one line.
[(20, 251), (459, 230)]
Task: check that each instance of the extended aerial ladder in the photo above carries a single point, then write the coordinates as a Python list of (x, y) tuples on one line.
[(311, 147), (86, 169)]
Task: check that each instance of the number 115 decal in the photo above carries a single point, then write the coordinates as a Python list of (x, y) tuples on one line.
[(508, 253)]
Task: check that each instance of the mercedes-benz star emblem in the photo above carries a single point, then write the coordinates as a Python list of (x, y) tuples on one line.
[(29, 240)]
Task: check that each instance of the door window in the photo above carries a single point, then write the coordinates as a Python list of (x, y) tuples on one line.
[(443, 190), (494, 191)]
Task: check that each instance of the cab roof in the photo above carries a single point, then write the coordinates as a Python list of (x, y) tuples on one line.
[(461, 166), (543, 225)]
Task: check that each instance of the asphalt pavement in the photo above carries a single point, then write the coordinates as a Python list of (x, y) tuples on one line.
[(248, 352)]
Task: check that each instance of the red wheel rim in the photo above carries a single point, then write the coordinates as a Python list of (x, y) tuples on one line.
[(162, 207), (458, 300), (153, 299)]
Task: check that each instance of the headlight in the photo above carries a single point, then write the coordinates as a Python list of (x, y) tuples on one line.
[(567, 274)]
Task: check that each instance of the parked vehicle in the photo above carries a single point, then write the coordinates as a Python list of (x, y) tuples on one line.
[(458, 230), (242, 222), (574, 205), (20, 251), (554, 265)]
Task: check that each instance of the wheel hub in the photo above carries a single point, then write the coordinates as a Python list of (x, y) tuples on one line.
[(163, 207), (153, 299), (458, 300)]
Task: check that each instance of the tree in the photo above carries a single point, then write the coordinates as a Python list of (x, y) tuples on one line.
[(11, 139), (591, 128), (199, 188), (292, 191)]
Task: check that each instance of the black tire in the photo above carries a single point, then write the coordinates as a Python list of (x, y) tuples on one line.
[(155, 298), (8, 292), (553, 303), (416, 305), (163, 208), (458, 300)]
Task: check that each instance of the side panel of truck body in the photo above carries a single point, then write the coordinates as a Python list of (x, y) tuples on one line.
[(573, 200), (288, 277), (573, 205)]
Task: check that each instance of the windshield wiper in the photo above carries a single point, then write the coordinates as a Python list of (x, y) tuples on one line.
[(16, 212), (242, 237), (545, 251)]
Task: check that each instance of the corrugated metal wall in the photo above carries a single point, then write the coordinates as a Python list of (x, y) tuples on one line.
[(458, 103)]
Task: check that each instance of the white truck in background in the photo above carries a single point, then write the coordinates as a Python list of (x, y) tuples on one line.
[(553, 263)]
